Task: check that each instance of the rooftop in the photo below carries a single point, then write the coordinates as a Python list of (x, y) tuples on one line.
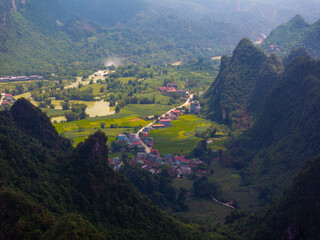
[(165, 120)]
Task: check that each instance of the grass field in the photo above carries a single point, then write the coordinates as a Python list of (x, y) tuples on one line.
[(181, 136), (95, 86), (54, 112)]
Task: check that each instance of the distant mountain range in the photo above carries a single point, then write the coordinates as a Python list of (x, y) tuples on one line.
[(68, 37)]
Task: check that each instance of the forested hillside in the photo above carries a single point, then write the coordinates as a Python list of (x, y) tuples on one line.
[(70, 37), (42, 173), (238, 93), (41, 37), (287, 131), (295, 33), (295, 215)]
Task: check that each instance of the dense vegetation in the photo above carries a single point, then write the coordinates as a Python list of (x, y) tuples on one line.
[(295, 215), (237, 94), (287, 131), (59, 180), (293, 34), (158, 188)]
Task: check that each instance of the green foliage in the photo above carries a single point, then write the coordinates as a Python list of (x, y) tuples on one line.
[(203, 188), (39, 163), (158, 188), (293, 34), (287, 131), (244, 80), (294, 215)]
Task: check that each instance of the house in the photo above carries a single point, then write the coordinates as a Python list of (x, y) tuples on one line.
[(163, 89), (145, 134), (115, 160), (166, 122), (147, 129), (155, 152), (195, 107), (185, 162), (159, 126), (150, 140), (176, 112), (8, 99), (9, 96), (171, 116), (185, 170), (132, 136), (137, 143), (141, 156), (141, 148), (122, 137), (168, 156)]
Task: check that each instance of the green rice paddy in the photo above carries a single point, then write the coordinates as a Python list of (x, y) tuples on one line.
[(180, 138)]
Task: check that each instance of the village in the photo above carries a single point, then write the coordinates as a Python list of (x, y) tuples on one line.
[(6, 99), (150, 159)]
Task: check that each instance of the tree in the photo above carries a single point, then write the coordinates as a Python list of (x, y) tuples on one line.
[(102, 124), (65, 105), (200, 149), (71, 116), (204, 188)]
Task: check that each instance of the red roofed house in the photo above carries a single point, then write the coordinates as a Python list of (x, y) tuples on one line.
[(165, 122), (163, 89), (158, 126), (176, 112), (136, 143), (155, 152)]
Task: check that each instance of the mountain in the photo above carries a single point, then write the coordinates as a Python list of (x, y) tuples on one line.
[(287, 130), (23, 219), (43, 37), (295, 53), (237, 94), (293, 34), (66, 189), (294, 216), (187, 37), (108, 13)]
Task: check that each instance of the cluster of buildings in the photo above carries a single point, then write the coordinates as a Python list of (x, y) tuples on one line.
[(151, 160), (115, 163), (180, 166), (6, 98), (20, 78), (167, 118), (171, 88), (131, 140)]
